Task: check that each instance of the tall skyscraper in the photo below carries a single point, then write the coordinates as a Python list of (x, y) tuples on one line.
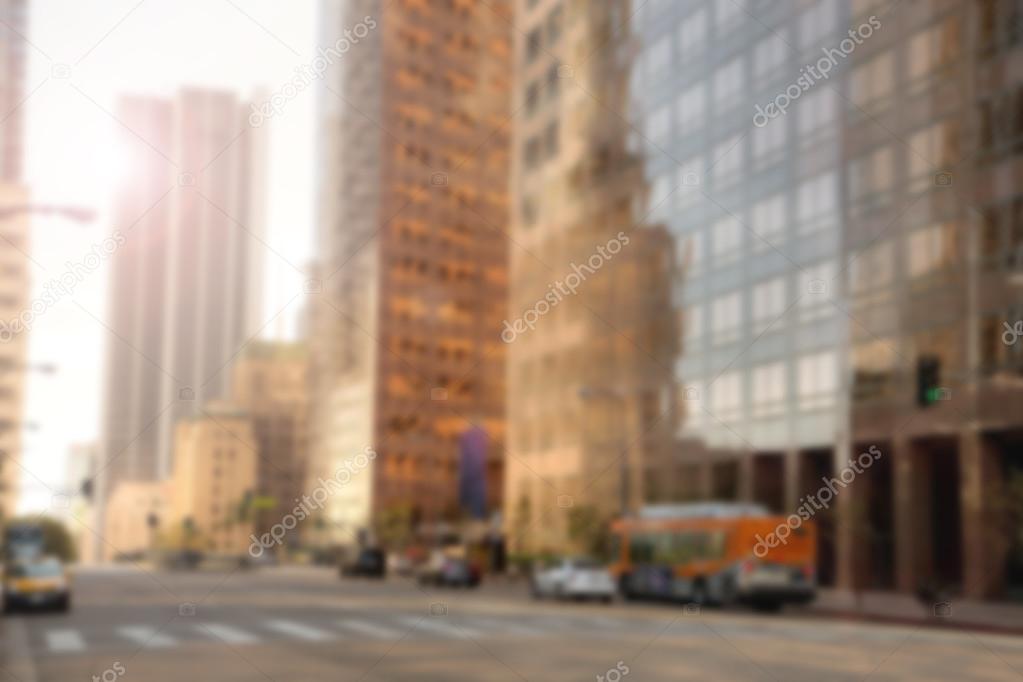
[(14, 302), (406, 350), (185, 280), (13, 48), (14, 246)]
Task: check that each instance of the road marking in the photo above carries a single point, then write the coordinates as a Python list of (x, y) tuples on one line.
[(299, 631), (371, 629), (228, 634), (64, 641), (431, 624), (506, 626), (146, 636)]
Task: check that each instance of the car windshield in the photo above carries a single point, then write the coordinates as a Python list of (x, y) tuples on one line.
[(41, 569), (586, 564)]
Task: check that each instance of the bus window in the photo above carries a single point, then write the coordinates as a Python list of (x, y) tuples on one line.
[(614, 548), (641, 548), (717, 543)]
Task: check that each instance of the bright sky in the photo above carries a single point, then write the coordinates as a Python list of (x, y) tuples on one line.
[(113, 47)]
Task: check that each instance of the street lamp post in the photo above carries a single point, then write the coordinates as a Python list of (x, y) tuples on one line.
[(590, 393)]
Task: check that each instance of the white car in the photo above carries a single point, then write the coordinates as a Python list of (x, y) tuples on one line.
[(573, 578)]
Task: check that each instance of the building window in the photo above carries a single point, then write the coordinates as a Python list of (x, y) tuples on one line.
[(533, 45), (818, 380), (728, 85), (769, 221), (726, 397), (816, 291), (769, 390), (769, 141), (817, 202), (727, 15), (726, 235), (871, 177), (725, 318), (728, 160), (690, 109), (871, 84), (658, 125), (769, 56), (816, 111), (691, 253), (692, 34), (817, 22), (658, 57), (933, 48), (931, 248), (768, 305)]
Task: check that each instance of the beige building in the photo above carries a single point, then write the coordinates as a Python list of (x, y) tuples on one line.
[(270, 384), (128, 528), (588, 396), (215, 469), (15, 321)]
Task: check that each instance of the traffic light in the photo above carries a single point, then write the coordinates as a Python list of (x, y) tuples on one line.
[(928, 378)]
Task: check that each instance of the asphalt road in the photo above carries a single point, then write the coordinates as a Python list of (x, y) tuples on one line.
[(305, 624)]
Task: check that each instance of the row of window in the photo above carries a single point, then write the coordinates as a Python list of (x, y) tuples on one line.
[(815, 379)]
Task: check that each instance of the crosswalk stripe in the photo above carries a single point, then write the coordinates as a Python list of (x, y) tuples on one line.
[(371, 629), (146, 636), (300, 631), (228, 634), (431, 624), (61, 641), (503, 626)]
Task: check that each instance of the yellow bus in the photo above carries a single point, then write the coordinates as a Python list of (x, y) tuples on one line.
[(715, 553)]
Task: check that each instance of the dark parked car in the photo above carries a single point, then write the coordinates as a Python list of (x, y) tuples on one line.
[(370, 563)]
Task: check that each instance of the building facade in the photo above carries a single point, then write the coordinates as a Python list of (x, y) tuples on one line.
[(128, 531), (14, 302), (413, 208), (271, 384), (214, 482), (14, 291), (186, 282)]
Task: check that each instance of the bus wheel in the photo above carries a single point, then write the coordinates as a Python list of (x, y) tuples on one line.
[(626, 591)]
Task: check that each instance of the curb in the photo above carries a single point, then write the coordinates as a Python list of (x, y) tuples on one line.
[(15, 659), (932, 623)]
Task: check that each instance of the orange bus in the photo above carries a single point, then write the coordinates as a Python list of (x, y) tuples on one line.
[(715, 553)]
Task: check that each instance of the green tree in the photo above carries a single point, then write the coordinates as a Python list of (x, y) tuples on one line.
[(589, 530)]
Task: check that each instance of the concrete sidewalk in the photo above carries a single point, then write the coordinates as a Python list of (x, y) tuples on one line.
[(15, 658), (903, 608)]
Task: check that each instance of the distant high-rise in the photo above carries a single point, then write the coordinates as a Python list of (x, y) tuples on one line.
[(186, 279), (14, 230), (406, 351), (13, 28)]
